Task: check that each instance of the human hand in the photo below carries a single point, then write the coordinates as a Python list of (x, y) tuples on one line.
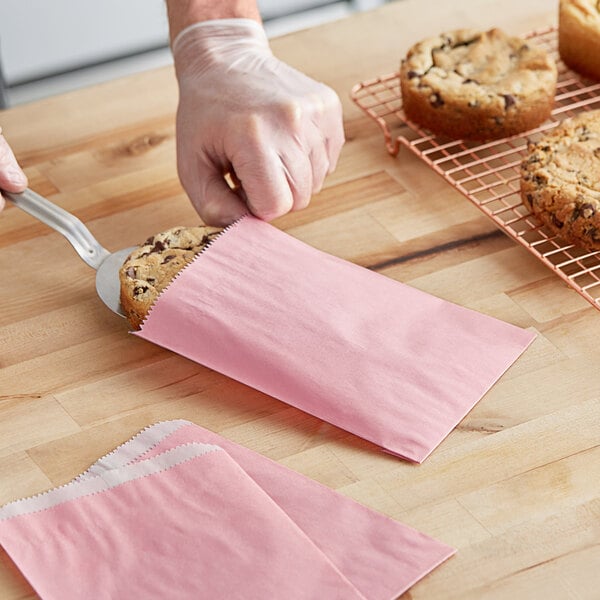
[(12, 178), (242, 111)]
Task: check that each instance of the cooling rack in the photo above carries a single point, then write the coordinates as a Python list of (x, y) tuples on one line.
[(488, 173)]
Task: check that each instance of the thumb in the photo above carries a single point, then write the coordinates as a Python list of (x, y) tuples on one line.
[(12, 178), (215, 202)]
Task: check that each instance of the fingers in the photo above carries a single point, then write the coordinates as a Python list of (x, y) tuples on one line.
[(334, 145), (316, 145), (323, 141), (330, 122), (280, 172), (320, 168), (299, 174), (318, 156), (12, 178)]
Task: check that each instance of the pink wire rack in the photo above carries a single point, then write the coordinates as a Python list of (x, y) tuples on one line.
[(488, 173)]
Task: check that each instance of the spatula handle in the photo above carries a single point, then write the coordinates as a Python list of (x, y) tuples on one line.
[(62, 221)]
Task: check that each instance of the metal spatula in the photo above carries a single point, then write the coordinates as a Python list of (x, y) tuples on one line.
[(107, 265)]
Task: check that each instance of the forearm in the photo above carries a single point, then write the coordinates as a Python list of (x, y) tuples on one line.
[(182, 13)]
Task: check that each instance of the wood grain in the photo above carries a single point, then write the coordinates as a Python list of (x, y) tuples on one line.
[(515, 487)]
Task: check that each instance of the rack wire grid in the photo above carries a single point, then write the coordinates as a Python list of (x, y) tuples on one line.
[(488, 173)]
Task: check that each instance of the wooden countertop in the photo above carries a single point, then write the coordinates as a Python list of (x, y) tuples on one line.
[(515, 487)]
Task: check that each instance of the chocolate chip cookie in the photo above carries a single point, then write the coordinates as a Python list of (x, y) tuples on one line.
[(477, 85), (579, 36), (150, 268), (560, 180)]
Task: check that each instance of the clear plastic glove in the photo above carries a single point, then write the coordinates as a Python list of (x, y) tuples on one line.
[(12, 178), (244, 112)]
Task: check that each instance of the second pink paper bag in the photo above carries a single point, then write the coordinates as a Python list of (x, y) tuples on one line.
[(188, 524), (381, 557), (387, 362)]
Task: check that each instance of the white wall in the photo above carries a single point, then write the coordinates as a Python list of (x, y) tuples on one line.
[(38, 37), (51, 46)]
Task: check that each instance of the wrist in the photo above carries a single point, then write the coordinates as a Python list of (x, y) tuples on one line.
[(183, 13), (218, 43)]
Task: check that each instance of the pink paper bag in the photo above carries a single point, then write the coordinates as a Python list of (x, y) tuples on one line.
[(379, 556), (186, 524), (387, 362)]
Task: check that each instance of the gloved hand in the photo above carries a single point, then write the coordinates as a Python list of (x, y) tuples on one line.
[(244, 112), (12, 178)]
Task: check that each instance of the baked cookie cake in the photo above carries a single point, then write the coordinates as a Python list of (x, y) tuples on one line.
[(477, 85), (560, 180), (579, 36)]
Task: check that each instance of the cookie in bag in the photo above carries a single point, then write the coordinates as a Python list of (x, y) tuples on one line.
[(149, 269)]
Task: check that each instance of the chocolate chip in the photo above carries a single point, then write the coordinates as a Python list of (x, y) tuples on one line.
[(149, 241), (468, 80), (412, 74), (509, 100), (140, 289), (436, 100), (530, 198), (151, 280), (557, 222), (539, 180), (158, 246), (131, 272), (168, 258), (597, 150)]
